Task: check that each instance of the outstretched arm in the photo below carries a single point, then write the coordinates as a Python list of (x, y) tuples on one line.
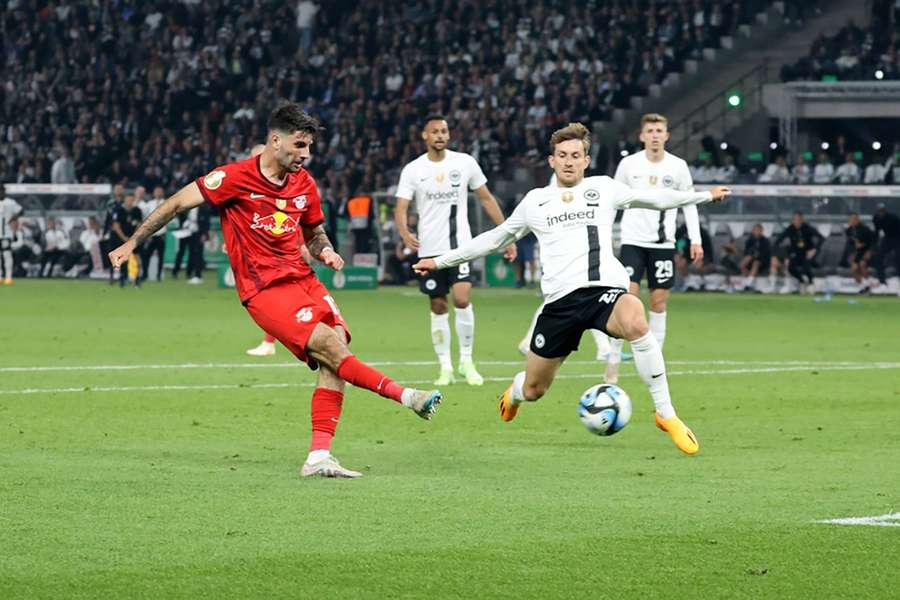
[(183, 200), (663, 199), (320, 247), (484, 244)]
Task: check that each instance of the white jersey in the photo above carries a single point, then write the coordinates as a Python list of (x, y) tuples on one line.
[(9, 208), (656, 228), (441, 192), (573, 226)]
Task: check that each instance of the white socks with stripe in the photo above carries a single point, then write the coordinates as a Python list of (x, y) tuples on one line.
[(648, 360), (465, 332), (658, 327), (440, 339)]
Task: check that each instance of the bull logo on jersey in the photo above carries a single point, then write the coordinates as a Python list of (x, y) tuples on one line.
[(668, 181), (455, 176), (653, 180), (568, 197), (300, 202), (276, 224), (214, 180), (591, 195)]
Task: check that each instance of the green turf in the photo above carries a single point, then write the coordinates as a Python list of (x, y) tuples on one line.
[(193, 492)]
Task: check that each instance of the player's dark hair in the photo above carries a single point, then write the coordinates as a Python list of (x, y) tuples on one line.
[(572, 131), (798, 213), (432, 117), (290, 118)]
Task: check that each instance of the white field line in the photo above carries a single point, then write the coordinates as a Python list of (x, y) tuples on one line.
[(389, 363), (888, 520), (238, 386)]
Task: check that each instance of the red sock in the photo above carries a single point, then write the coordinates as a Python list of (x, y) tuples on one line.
[(326, 411), (353, 370), (269, 339)]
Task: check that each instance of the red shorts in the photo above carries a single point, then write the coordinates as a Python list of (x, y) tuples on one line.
[(290, 310)]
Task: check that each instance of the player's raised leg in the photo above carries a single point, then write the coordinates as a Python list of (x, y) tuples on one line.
[(465, 331), (325, 413), (530, 384), (628, 321)]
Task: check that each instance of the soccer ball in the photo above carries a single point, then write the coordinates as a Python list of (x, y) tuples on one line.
[(604, 409)]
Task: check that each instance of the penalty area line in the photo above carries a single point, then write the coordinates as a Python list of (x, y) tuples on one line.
[(888, 520), (426, 382)]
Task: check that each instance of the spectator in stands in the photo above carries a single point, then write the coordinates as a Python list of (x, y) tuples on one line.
[(757, 257), (401, 260), (111, 237), (56, 245), (128, 217), (63, 169), (705, 172), (728, 172), (26, 251), (849, 171), (823, 173), (776, 172), (526, 264), (860, 242), (887, 235), (90, 243), (875, 172), (804, 242), (801, 174)]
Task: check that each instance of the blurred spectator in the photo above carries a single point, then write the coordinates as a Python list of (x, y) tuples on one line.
[(728, 172), (526, 264), (887, 235), (128, 217), (875, 173), (90, 243), (849, 171), (63, 170), (111, 235), (824, 170), (706, 172), (776, 172), (26, 250), (306, 16), (702, 268), (801, 173), (56, 246), (860, 241), (757, 257)]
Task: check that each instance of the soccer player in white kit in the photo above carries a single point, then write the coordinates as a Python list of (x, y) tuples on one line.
[(584, 284), (10, 210), (648, 235), (439, 181)]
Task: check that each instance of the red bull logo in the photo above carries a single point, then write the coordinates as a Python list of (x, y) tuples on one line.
[(276, 223)]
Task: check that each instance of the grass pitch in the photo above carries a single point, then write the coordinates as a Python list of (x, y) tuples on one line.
[(149, 457)]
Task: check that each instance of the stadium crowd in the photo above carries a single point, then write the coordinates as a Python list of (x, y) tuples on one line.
[(152, 93)]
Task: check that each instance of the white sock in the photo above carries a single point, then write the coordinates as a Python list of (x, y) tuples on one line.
[(773, 279), (648, 360), (518, 394), (406, 397), (615, 350), (526, 341), (317, 455), (465, 332), (440, 339), (658, 327), (602, 342)]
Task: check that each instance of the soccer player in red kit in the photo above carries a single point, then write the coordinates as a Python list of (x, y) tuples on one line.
[(266, 203)]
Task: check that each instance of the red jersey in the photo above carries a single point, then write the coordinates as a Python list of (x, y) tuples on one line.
[(261, 222)]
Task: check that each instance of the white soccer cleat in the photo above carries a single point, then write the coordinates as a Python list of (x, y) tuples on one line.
[(264, 349), (195, 281), (425, 403), (328, 467)]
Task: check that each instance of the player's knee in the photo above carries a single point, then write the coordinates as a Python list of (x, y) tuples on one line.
[(439, 306), (461, 303), (658, 306)]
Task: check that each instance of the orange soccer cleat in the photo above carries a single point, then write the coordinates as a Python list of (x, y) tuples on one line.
[(508, 408), (681, 434)]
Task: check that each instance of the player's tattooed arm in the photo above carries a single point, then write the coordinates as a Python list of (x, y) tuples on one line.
[(184, 200), (319, 246), (316, 240)]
